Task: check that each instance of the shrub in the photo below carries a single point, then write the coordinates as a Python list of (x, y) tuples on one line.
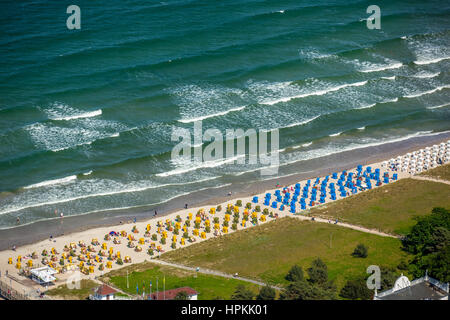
[(197, 225), (225, 224), (187, 223), (258, 209), (176, 232), (242, 293), (355, 290), (216, 219), (248, 205), (295, 274), (360, 251), (255, 220), (154, 237), (239, 203), (185, 235), (163, 240), (219, 208), (266, 293), (236, 220), (178, 218), (234, 226), (266, 211), (150, 252), (174, 245), (208, 229), (119, 261)]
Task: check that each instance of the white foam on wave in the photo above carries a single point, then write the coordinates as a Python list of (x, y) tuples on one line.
[(80, 116), (431, 61), (301, 123), (426, 75), (201, 165), (374, 104), (307, 144), (439, 106), (314, 93), (211, 115), (371, 142), (377, 68), (419, 94), (335, 134), (52, 182), (116, 189), (87, 173), (361, 128), (388, 78)]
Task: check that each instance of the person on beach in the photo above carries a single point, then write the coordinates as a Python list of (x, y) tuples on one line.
[(61, 215), (18, 220), (134, 219), (156, 213), (186, 206), (14, 249)]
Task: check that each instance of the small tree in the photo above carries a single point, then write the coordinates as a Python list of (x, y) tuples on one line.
[(356, 290), (258, 209), (154, 237), (119, 261), (266, 293), (360, 251), (185, 235), (208, 229), (242, 293), (239, 203), (266, 211), (248, 205), (163, 240), (216, 219), (234, 226), (318, 272), (295, 274), (197, 225), (219, 208), (176, 232), (174, 245), (225, 224), (187, 223)]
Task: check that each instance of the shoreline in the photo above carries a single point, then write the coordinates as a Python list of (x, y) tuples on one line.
[(302, 170)]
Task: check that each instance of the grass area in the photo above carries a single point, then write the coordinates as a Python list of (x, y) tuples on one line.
[(390, 208), (441, 172), (208, 286), (268, 251), (86, 288)]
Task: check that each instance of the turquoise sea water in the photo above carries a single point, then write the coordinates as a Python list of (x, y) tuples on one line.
[(86, 116)]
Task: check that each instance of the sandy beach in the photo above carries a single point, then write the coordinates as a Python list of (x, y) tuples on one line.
[(58, 243)]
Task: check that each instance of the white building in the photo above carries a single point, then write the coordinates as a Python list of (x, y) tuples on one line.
[(43, 275), (425, 288), (103, 292)]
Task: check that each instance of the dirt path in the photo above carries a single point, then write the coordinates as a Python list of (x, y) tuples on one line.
[(430, 179), (211, 272), (347, 225)]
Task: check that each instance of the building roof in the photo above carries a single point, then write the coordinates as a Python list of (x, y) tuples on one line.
[(105, 290), (419, 291), (425, 288), (171, 294), (44, 274)]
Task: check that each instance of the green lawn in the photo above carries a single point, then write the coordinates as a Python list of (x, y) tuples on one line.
[(390, 208), (208, 286), (86, 288), (442, 172), (268, 251)]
